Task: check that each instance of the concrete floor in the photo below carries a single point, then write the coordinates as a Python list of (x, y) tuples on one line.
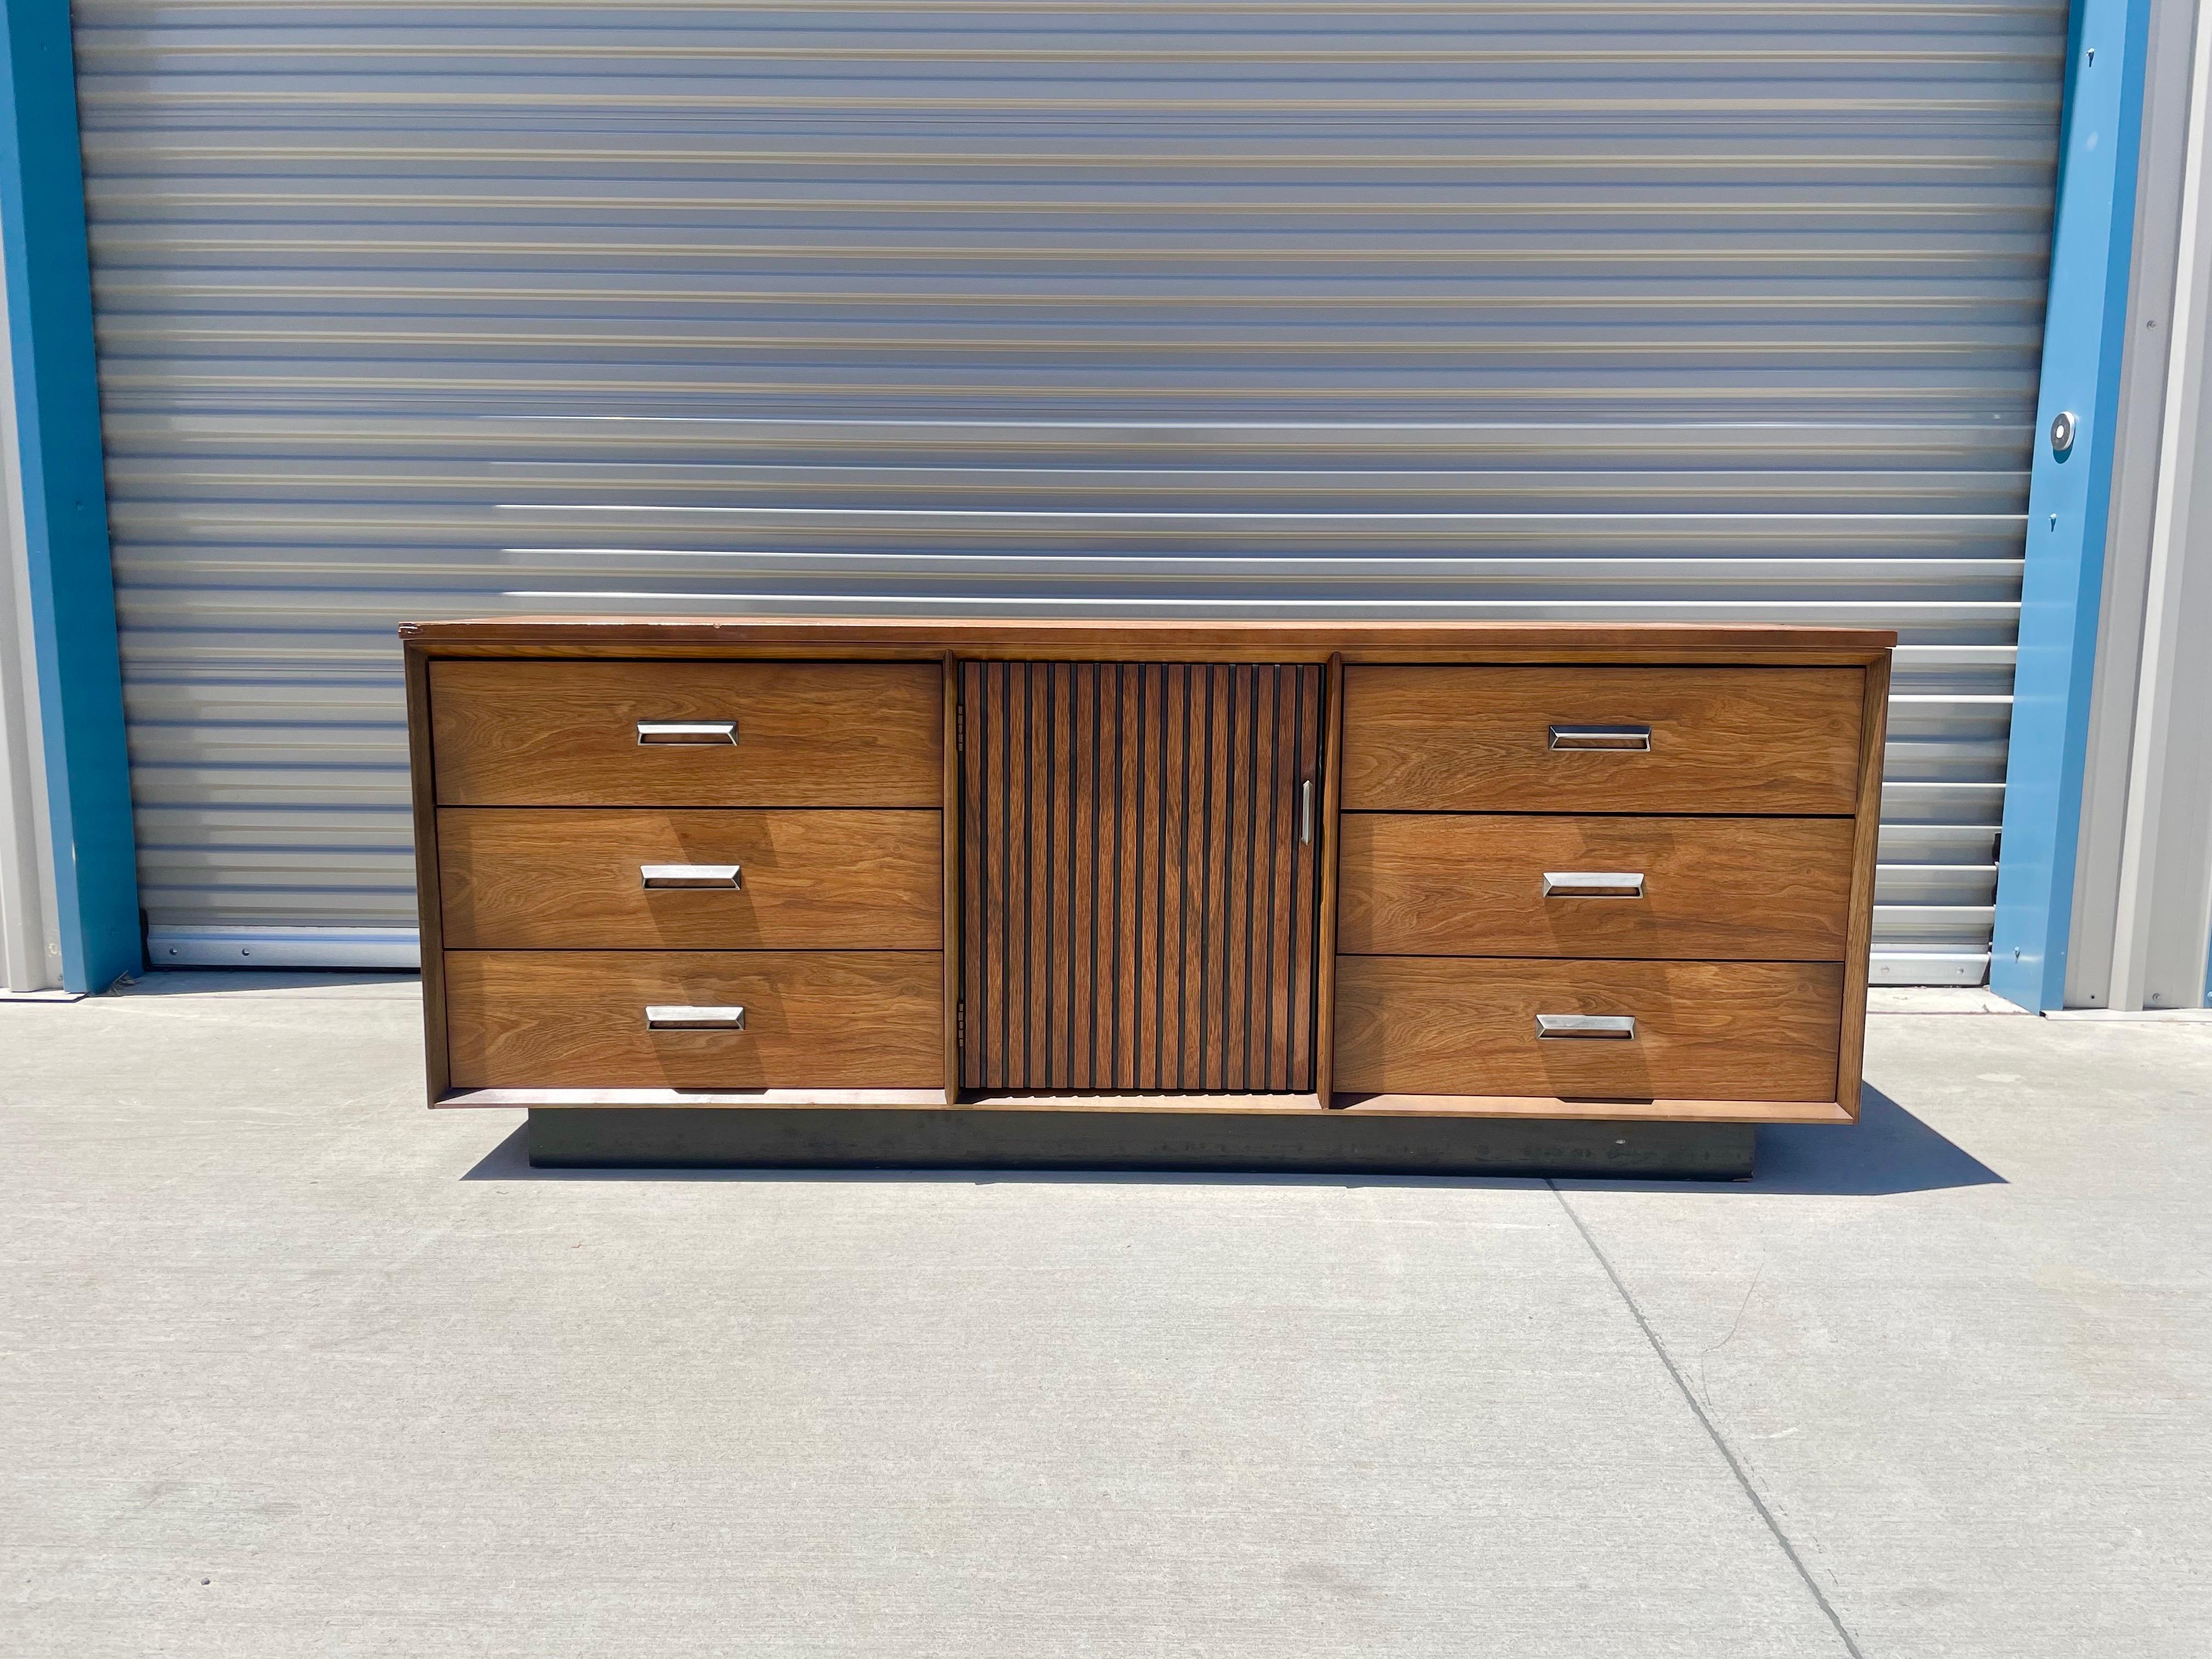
[(295, 1368)]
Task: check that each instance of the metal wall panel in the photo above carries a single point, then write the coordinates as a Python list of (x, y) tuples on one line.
[(2143, 881), (1567, 310), (30, 934)]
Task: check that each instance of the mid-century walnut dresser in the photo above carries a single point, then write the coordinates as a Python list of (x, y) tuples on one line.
[(1243, 887)]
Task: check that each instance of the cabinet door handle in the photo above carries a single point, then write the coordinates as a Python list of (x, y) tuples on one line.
[(1593, 884), (1586, 1025), (676, 1016), (1628, 737), (687, 731), (1305, 813), (689, 875)]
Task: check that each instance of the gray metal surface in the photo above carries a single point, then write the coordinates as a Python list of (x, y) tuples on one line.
[(1662, 311), (30, 940), (2142, 896)]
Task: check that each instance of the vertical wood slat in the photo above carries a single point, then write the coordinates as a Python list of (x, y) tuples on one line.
[(1138, 912), (1237, 889), (1282, 857), (1147, 902), (983, 853), (1014, 993), (1038, 767), (1059, 869), (1012, 940), (953, 933), (1198, 868), (1082, 839), (1172, 858), (1214, 863), (1329, 807), (1221, 841), (1126, 715), (1305, 727)]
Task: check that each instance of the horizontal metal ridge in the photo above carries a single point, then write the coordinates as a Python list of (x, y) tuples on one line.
[(1288, 309)]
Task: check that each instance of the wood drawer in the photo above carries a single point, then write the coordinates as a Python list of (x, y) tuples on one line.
[(805, 733), (1434, 883), (537, 1019), (1704, 1031), (838, 879), (1481, 738)]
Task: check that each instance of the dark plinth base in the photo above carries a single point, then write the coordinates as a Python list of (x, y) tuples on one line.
[(645, 1137)]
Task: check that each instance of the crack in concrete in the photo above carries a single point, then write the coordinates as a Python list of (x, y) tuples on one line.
[(1704, 1383), (1712, 1431)]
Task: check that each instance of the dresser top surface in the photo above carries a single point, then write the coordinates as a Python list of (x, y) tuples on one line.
[(1155, 638)]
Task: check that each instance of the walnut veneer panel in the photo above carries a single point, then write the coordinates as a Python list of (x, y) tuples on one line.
[(838, 878), (1474, 884), (1146, 639), (1471, 739), (825, 1020), (808, 734), (1450, 1025), (1139, 909)]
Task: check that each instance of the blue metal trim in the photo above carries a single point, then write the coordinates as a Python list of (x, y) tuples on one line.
[(49, 288), (2069, 498)]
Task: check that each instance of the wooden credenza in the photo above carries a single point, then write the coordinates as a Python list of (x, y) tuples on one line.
[(1620, 873)]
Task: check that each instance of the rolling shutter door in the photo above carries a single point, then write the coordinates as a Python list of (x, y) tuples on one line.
[(414, 310)]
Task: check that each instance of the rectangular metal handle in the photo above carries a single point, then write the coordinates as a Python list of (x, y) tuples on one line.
[(1630, 738), (1305, 813), (1593, 884), (687, 731), (676, 1016), (1586, 1025), (689, 875)]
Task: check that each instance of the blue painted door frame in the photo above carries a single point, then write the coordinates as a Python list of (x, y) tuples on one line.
[(2069, 498), (72, 585)]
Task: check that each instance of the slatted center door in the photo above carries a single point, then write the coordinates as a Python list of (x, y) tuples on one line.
[(1139, 877)]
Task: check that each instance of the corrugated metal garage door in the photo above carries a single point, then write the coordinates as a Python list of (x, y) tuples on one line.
[(1662, 310)]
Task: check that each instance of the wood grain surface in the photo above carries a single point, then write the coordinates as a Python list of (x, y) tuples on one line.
[(519, 878), (1359, 1105), (1325, 834), (1477, 738), (1660, 1110), (865, 1100), (1858, 947), (950, 970), (1442, 1026), (1453, 885), (1139, 909), (809, 734), (1756, 728), (422, 808), (1140, 639), (545, 1019)]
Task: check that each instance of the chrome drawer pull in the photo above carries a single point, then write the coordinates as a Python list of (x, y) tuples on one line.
[(1586, 1025), (673, 1017), (1593, 884), (1637, 737), (687, 731), (689, 875)]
